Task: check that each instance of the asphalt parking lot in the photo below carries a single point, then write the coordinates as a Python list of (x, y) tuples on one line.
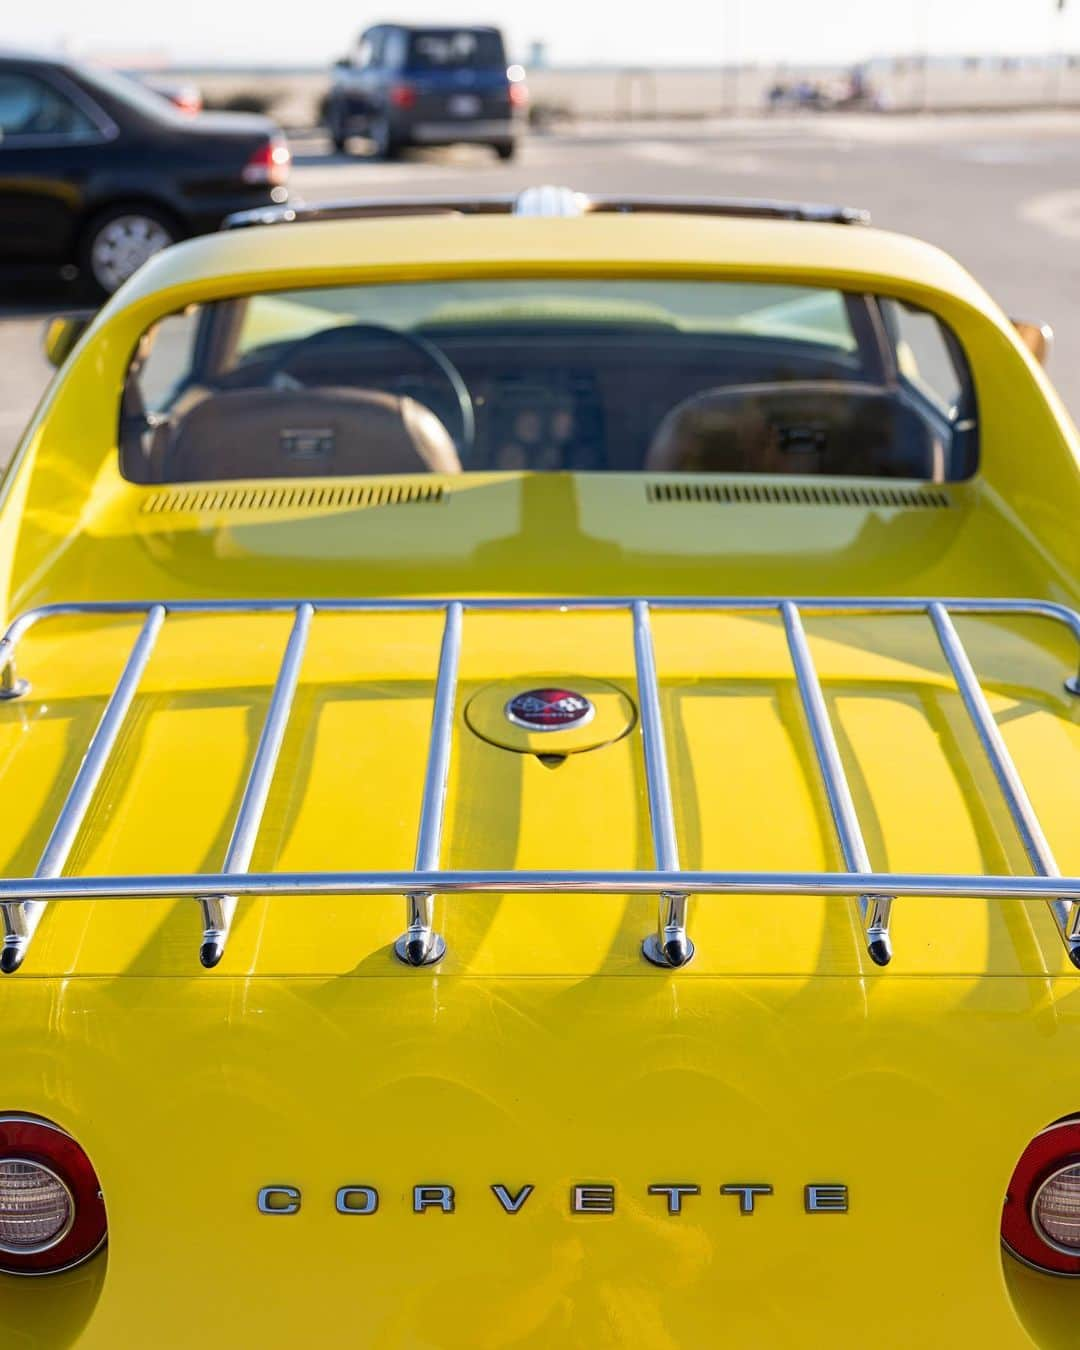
[(999, 191)]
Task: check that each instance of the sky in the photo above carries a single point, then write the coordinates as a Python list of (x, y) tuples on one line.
[(690, 32)]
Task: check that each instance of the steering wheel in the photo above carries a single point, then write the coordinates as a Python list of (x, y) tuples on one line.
[(434, 356)]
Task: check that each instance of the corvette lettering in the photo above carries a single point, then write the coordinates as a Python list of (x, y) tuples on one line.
[(593, 1197)]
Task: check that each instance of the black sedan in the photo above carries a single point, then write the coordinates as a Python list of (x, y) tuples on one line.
[(98, 172)]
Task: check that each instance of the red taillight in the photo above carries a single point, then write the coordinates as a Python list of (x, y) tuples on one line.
[(1041, 1220), (270, 163), (188, 100), (519, 95), (52, 1215), (403, 96)]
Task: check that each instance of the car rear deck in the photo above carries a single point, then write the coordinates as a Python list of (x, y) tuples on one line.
[(544, 1049), (327, 755)]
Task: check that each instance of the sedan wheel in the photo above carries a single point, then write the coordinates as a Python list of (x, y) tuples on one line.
[(122, 243)]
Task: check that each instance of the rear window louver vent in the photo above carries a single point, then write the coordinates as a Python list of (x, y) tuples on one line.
[(291, 497), (795, 494)]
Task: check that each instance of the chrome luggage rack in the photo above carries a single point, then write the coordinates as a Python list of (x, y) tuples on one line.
[(23, 900)]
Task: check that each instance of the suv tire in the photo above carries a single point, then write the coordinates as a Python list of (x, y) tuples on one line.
[(387, 145)]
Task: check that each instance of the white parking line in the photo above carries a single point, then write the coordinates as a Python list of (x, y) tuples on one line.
[(1058, 212), (701, 157), (328, 177), (666, 152)]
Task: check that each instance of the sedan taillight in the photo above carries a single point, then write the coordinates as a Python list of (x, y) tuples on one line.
[(1041, 1220), (52, 1215), (403, 96), (270, 163)]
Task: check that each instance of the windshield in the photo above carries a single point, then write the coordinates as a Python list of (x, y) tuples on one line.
[(450, 49), (584, 375)]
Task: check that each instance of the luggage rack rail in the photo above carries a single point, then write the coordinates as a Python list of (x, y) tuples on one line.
[(23, 900), (547, 201)]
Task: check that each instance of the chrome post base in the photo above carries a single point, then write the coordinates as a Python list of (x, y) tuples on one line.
[(877, 912), (420, 948), (11, 955), (879, 946), (211, 951), (674, 951), (13, 686), (217, 919)]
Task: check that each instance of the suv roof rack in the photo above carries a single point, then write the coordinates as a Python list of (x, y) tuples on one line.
[(549, 201)]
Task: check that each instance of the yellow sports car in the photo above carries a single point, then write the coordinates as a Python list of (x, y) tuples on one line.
[(540, 762)]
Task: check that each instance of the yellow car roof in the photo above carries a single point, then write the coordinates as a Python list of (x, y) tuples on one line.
[(319, 252)]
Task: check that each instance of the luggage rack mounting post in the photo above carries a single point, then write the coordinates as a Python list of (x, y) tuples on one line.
[(21, 917), (1066, 915), (875, 910), (670, 945), (23, 900), (420, 945), (218, 910)]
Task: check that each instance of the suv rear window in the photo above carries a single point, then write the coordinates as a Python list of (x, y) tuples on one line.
[(456, 49)]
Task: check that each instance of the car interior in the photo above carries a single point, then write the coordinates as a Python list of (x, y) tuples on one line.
[(656, 376)]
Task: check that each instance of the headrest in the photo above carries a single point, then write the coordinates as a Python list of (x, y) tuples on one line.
[(307, 433), (801, 427)]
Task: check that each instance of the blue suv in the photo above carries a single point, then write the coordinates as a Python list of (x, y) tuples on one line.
[(405, 86)]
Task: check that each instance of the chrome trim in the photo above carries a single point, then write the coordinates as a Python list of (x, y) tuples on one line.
[(22, 899), (670, 945), (218, 910), (874, 910), (292, 1196), (21, 918), (826, 1197), (754, 208), (511, 1204), (592, 1198), (674, 1191), (343, 1194), (509, 881), (6, 1248), (420, 945), (438, 1197), (1043, 863), (748, 1192)]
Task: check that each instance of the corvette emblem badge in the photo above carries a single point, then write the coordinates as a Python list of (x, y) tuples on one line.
[(549, 709)]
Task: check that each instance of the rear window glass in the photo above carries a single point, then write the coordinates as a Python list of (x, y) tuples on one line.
[(547, 375), (31, 107), (449, 49)]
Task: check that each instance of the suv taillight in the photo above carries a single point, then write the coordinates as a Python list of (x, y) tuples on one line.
[(403, 96), (1041, 1220), (270, 163), (519, 95), (52, 1215)]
